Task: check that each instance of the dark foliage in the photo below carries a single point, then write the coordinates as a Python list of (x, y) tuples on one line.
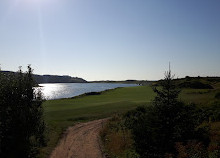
[(213, 111), (157, 128), (195, 85), (92, 93), (21, 116), (217, 95)]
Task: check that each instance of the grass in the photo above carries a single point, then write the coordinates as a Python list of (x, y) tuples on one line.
[(198, 96), (59, 114), (202, 97), (119, 143), (117, 140), (92, 106)]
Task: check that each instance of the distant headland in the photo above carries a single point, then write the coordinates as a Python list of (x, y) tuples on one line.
[(52, 78)]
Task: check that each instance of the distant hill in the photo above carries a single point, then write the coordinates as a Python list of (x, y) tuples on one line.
[(57, 79), (195, 82), (52, 78), (140, 82)]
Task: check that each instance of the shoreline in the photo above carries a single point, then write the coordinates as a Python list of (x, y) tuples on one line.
[(92, 93)]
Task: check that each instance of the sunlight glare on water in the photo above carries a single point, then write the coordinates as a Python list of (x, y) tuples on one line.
[(53, 90), (67, 90)]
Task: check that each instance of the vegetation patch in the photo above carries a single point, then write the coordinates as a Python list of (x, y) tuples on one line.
[(195, 85), (167, 128), (62, 113), (217, 95), (117, 139), (22, 126)]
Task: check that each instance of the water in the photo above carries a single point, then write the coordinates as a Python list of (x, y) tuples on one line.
[(67, 90)]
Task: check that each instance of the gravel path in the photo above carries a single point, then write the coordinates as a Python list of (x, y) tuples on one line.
[(81, 141)]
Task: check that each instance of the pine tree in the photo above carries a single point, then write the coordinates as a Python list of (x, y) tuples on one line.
[(157, 128), (168, 95)]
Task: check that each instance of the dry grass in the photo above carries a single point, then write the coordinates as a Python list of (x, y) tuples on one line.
[(118, 142)]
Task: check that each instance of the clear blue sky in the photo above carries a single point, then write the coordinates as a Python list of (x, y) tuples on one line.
[(111, 39)]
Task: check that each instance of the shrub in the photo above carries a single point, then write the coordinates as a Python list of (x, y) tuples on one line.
[(117, 139), (191, 149), (21, 116), (217, 95), (213, 111)]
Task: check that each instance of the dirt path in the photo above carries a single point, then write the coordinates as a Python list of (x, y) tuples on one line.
[(81, 141)]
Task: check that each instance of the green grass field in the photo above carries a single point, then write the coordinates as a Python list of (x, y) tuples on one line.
[(59, 114)]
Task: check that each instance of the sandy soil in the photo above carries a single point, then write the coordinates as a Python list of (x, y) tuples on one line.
[(81, 141)]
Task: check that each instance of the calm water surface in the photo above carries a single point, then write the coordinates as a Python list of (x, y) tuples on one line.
[(67, 90)]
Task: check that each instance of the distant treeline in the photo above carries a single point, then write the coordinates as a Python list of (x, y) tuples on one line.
[(51, 78)]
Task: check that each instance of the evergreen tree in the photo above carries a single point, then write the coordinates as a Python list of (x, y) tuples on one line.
[(157, 128), (168, 95)]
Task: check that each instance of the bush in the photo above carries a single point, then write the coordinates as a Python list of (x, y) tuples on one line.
[(217, 95), (191, 149), (117, 139), (157, 128), (21, 116), (213, 111), (156, 134)]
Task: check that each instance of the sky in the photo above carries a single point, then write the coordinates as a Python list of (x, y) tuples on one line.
[(111, 39)]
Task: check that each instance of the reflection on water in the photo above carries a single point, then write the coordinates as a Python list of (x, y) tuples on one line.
[(67, 90)]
